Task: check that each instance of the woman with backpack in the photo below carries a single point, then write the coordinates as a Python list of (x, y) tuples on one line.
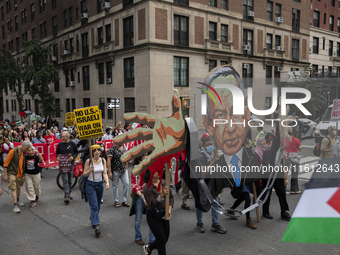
[(95, 170)]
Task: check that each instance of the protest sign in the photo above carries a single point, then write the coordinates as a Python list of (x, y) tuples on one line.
[(64, 165), (89, 122), (69, 119), (336, 110), (107, 144)]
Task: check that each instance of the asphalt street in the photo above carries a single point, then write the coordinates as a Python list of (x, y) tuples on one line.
[(51, 227)]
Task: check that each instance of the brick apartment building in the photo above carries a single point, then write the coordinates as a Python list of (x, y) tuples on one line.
[(325, 44), (139, 51)]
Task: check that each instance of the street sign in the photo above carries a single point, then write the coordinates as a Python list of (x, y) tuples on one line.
[(115, 104)]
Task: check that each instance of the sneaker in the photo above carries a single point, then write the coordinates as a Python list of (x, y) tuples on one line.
[(32, 203), (295, 192), (97, 231), (217, 228), (267, 215), (140, 242), (185, 207), (20, 204), (200, 228), (250, 224), (36, 199), (67, 201), (146, 251), (102, 201), (16, 209), (232, 213)]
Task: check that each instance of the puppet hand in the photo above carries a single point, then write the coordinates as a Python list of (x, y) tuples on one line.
[(166, 136)]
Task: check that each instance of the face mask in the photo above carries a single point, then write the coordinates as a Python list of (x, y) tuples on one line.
[(210, 149), (334, 133), (110, 132), (102, 148)]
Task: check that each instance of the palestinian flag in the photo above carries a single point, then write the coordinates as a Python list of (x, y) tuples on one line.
[(316, 218), (24, 114), (17, 123)]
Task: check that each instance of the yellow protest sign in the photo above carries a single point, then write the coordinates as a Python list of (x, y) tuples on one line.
[(89, 122), (69, 119)]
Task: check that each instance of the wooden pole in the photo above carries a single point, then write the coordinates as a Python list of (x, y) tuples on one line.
[(167, 196), (336, 137), (255, 197), (90, 144)]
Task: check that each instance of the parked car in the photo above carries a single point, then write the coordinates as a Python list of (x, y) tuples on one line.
[(308, 129)]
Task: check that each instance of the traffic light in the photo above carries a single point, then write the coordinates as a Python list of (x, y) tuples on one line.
[(186, 102)]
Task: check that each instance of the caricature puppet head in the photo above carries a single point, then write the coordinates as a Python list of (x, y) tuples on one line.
[(229, 138)]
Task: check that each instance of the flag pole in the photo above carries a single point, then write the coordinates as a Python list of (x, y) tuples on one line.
[(90, 144), (167, 196)]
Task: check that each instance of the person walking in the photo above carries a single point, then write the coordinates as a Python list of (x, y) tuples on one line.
[(328, 142), (14, 170), (159, 226), (95, 171), (32, 175), (118, 170), (67, 147), (294, 161), (139, 205)]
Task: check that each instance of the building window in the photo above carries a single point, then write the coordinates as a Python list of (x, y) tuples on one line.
[(102, 106), (269, 41), (55, 27), (268, 104), (109, 70), (277, 40), (17, 45), (129, 72), (223, 63), (54, 4), (331, 23), (85, 45), (224, 33), (56, 86), (32, 13), (330, 71), (101, 73), (16, 23), (129, 103), (213, 3), (99, 6), (224, 4), (330, 48), (73, 104), (33, 32), (68, 105), (7, 108), (71, 45), (181, 71), (315, 45), (278, 8), (86, 102), (57, 104), (127, 3), (323, 43), (248, 40), (108, 33), (182, 2), (55, 52), (70, 11), (296, 20), (295, 49), (100, 35), (109, 111), (213, 31), (338, 49), (299, 1), (128, 31), (83, 9), (247, 75), (269, 76), (181, 28), (41, 31), (66, 45), (212, 64), (324, 18), (248, 8), (332, 2), (67, 78), (2, 13), (3, 32), (86, 78), (65, 19), (72, 75), (277, 76), (270, 11), (316, 19)]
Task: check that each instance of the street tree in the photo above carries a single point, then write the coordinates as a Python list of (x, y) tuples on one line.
[(11, 75), (40, 74)]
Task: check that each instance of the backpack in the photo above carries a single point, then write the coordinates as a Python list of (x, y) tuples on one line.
[(317, 147)]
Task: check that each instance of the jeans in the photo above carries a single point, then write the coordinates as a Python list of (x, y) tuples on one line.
[(94, 194), (125, 180), (214, 214), (67, 183), (139, 208)]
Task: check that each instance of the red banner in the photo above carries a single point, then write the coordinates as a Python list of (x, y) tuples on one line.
[(48, 152), (107, 144)]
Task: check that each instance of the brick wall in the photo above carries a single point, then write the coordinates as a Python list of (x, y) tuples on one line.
[(286, 45), (199, 30), (141, 24), (161, 22), (116, 32), (259, 41), (235, 36)]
